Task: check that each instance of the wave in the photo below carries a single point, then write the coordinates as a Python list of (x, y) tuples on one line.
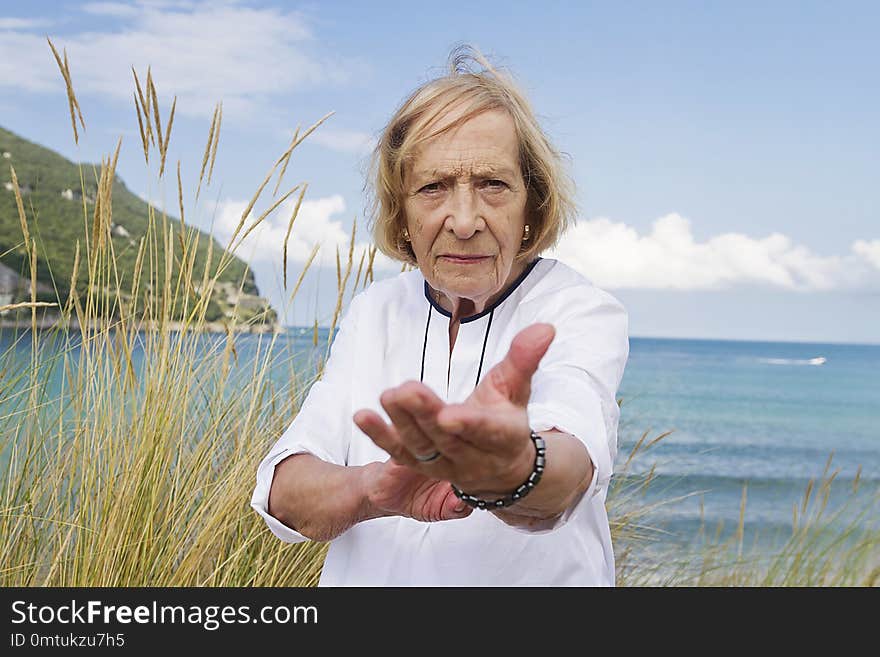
[(819, 360)]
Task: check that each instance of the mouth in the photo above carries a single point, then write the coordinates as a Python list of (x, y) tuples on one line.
[(463, 259)]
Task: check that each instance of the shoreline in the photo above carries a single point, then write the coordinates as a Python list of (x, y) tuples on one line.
[(145, 326)]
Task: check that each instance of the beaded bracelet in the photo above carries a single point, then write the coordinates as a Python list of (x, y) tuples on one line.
[(520, 492)]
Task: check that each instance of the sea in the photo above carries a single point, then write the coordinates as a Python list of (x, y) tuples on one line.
[(751, 425), (747, 428)]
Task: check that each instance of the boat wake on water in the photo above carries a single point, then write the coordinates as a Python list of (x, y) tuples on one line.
[(820, 360)]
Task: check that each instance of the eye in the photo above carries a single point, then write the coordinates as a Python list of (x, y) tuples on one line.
[(431, 188), (494, 185)]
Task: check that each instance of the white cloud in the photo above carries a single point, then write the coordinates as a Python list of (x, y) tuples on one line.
[(611, 254), (110, 9), (870, 251), (21, 23), (317, 222), (614, 255), (202, 52), (26, 63)]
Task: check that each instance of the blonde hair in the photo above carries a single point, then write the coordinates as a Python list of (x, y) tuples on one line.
[(550, 207)]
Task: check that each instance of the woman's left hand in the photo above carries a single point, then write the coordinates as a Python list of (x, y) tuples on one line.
[(484, 442)]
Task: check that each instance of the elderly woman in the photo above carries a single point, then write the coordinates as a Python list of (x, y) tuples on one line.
[(465, 427)]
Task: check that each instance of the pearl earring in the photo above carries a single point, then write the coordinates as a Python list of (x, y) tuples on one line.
[(526, 233), (405, 235)]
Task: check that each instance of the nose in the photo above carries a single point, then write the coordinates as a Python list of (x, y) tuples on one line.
[(464, 217)]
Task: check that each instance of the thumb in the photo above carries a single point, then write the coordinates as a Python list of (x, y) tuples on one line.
[(512, 377)]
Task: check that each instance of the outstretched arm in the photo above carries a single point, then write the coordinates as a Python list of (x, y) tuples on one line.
[(484, 442)]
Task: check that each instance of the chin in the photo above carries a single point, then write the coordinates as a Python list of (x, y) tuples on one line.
[(465, 291), (474, 285)]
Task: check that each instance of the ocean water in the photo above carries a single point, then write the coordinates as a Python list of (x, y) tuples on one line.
[(764, 416)]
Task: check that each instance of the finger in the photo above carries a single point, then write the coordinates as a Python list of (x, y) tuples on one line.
[(384, 435), (454, 508), (401, 404), (486, 430), (512, 377), (459, 452), (416, 407), (424, 410), (455, 448)]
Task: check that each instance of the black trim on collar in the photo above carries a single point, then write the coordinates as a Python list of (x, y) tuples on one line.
[(488, 309)]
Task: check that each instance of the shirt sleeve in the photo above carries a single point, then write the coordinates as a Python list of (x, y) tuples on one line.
[(322, 427), (575, 387)]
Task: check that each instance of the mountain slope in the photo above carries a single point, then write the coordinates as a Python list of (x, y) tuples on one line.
[(52, 193)]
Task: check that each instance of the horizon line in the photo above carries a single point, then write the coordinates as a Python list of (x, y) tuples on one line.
[(311, 327)]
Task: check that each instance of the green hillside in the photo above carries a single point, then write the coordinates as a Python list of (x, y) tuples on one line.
[(51, 190)]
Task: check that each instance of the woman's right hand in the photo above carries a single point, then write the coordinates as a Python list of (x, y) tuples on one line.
[(397, 490)]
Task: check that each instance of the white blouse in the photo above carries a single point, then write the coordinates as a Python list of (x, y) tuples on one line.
[(393, 332)]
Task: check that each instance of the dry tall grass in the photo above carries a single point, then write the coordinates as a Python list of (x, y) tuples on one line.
[(139, 473)]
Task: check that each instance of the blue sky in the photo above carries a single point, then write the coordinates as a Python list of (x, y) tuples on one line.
[(726, 154)]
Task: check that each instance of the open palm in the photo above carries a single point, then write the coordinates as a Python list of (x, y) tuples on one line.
[(484, 441)]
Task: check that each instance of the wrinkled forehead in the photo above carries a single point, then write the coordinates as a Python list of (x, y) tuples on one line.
[(463, 142), (463, 164)]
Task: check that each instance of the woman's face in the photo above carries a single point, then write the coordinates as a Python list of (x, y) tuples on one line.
[(465, 209)]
